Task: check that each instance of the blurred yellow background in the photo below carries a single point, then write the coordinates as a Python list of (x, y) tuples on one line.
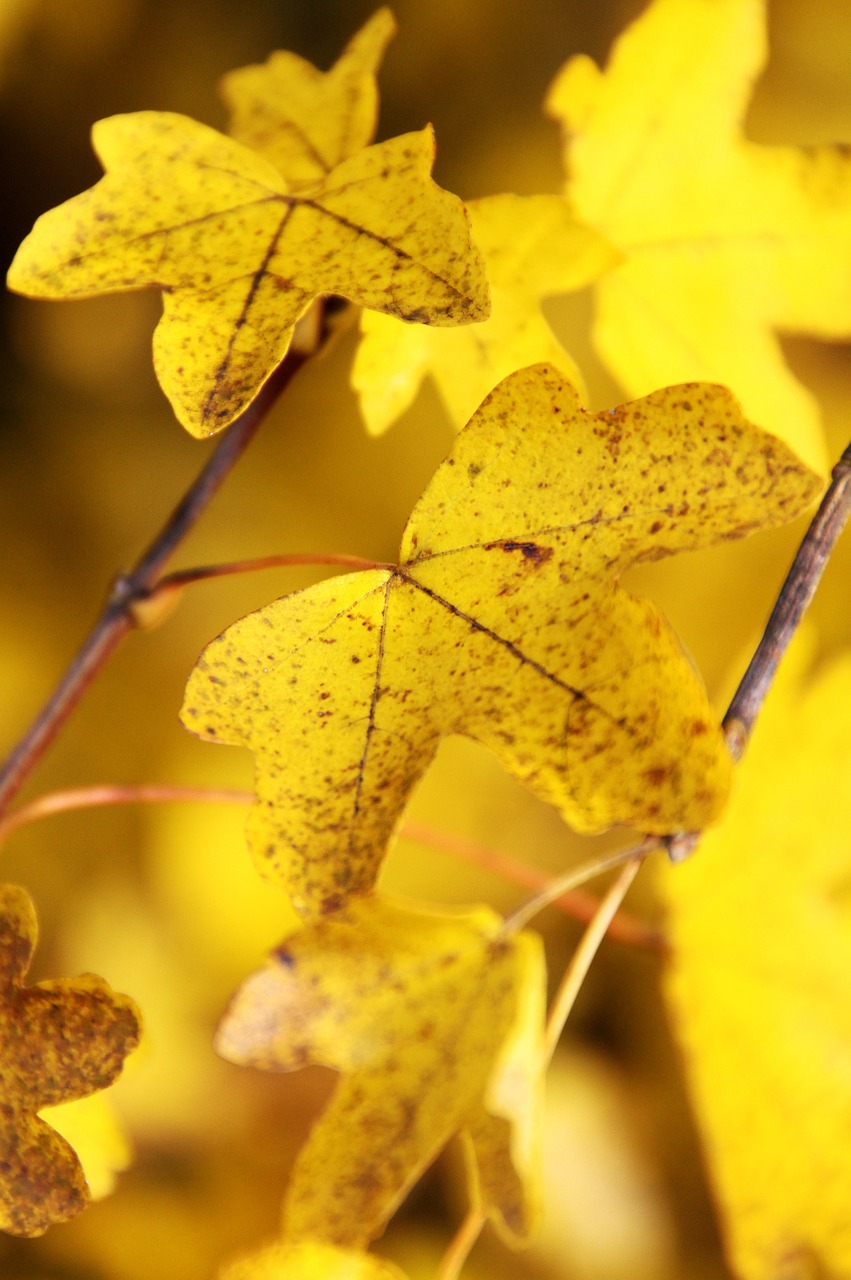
[(163, 902)]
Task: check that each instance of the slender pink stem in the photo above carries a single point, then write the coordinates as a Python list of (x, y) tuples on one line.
[(114, 794), (573, 902)]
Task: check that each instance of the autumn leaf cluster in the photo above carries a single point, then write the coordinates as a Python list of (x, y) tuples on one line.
[(504, 618)]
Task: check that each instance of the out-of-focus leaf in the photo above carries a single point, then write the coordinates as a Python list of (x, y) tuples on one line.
[(504, 621), (435, 1021), (533, 247), (90, 1127), (725, 241), (310, 1261), (760, 987), (59, 1040)]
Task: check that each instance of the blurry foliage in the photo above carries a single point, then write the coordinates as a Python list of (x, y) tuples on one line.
[(166, 904)]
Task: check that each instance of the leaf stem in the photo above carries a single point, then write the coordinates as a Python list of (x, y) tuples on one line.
[(186, 577), (792, 602), (565, 998), (577, 905), (579, 875), (76, 798), (577, 971), (461, 1245), (572, 902), (116, 618)]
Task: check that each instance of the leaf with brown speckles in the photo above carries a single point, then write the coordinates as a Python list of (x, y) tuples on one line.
[(240, 249), (58, 1040), (435, 1020), (504, 621)]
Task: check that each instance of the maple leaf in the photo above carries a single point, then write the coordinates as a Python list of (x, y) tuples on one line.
[(759, 986), (310, 1261), (240, 253), (533, 247), (503, 621), (58, 1040), (725, 241), (303, 121), (435, 1020), (90, 1126)]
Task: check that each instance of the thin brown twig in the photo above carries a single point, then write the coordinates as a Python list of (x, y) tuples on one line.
[(116, 618), (794, 599)]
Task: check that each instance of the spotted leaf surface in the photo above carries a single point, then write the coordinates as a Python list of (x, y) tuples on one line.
[(504, 621), (240, 251), (435, 1021), (59, 1040)]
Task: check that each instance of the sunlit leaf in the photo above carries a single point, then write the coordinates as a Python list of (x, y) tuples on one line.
[(504, 621), (305, 121), (240, 253), (59, 1040), (533, 248), (436, 1022), (310, 1261), (89, 1125), (760, 987), (725, 241)]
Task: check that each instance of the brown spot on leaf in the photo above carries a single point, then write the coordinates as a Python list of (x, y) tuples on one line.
[(529, 550)]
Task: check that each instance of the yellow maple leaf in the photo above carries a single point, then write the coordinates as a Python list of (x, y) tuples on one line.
[(533, 247), (58, 1040), (435, 1020), (90, 1126), (240, 253), (759, 987), (310, 1261), (503, 621), (305, 121), (725, 241)]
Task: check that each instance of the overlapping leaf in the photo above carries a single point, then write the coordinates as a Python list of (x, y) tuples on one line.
[(310, 1261), (90, 1126), (725, 241), (760, 987), (58, 1040), (435, 1021), (304, 121), (533, 248), (240, 251), (503, 621)]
